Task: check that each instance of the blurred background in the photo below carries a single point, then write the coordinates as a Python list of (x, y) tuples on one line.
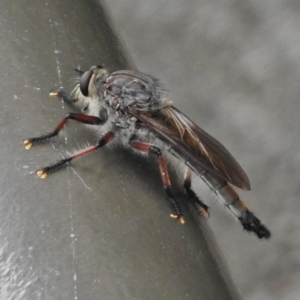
[(234, 68)]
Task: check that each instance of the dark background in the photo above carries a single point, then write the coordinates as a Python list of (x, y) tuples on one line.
[(234, 68)]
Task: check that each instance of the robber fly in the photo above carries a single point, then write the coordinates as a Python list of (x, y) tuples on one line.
[(131, 109)]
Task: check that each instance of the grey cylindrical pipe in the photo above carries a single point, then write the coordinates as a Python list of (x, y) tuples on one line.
[(99, 229)]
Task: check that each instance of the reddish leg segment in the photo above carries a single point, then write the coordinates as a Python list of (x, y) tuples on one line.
[(148, 148), (43, 172), (92, 120)]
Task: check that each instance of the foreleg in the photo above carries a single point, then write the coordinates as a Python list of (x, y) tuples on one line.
[(91, 120)]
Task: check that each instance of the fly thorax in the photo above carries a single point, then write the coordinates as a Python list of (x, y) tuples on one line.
[(134, 89), (122, 121)]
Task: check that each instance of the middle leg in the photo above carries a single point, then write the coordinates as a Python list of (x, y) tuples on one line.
[(43, 172), (149, 148)]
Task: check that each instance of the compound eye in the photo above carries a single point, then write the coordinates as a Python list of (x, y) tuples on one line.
[(84, 82)]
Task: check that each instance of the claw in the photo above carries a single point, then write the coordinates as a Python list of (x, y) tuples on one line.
[(42, 173), (204, 213), (28, 144), (179, 217), (54, 93)]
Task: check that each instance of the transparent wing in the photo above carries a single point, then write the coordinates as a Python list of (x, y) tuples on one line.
[(196, 145)]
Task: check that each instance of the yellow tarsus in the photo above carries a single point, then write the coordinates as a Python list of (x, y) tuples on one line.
[(42, 174), (27, 144), (53, 94), (180, 218)]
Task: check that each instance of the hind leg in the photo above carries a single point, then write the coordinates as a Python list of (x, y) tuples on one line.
[(201, 207)]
